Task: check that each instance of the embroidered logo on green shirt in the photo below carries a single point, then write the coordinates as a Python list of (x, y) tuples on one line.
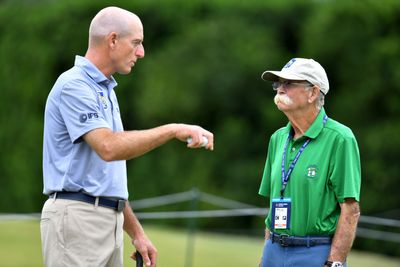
[(312, 171)]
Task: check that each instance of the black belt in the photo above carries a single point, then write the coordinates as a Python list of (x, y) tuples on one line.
[(309, 241), (117, 205)]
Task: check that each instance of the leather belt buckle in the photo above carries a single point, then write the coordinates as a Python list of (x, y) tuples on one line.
[(283, 238), (121, 205)]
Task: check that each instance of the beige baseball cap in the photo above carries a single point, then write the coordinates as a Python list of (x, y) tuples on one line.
[(301, 69)]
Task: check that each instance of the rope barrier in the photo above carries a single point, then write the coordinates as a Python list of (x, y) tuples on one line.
[(231, 207)]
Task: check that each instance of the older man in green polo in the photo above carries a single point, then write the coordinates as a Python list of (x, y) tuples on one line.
[(311, 175)]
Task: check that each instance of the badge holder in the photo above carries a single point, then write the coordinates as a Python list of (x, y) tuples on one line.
[(281, 208)]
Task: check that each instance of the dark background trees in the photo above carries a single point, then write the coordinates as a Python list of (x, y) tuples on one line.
[(203, 65)]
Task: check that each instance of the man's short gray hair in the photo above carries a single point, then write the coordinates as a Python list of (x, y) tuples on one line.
[(320, 100), (110, 19)]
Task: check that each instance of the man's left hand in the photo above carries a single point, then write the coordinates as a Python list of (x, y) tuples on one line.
[(148, 251)]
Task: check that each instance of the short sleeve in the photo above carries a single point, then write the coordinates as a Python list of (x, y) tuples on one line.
[(265, 187), (80, 109), (346, 174)]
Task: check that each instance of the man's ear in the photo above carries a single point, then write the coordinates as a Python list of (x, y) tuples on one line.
[(112, 39), (314, 93)]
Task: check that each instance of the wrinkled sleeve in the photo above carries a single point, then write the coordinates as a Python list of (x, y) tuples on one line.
[(346, 174), (80, 109), (265, 187)]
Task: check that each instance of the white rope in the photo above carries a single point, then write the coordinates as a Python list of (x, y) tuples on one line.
[(162, 200), (379, 235), (191, 195), (379, 221), (19, 217), (202, 214)]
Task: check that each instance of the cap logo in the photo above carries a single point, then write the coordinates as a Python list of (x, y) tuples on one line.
[(290, 63)]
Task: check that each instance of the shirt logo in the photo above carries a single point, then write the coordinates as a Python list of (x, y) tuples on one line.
[(85, 116), (312, 171), (102, 99)]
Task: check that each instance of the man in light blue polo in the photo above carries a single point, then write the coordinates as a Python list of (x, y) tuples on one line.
[(85, 151), (311, 175)]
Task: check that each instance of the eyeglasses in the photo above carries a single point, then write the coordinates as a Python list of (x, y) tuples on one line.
[(289, 85)]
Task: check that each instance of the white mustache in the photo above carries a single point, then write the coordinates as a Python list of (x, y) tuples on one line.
[(282, 99)]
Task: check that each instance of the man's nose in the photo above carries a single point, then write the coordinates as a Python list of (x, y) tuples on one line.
[(140, 51)]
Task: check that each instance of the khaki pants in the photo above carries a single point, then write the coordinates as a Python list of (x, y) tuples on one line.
[(79, 234)]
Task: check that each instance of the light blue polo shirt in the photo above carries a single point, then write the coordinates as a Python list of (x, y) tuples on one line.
[(82, 99)]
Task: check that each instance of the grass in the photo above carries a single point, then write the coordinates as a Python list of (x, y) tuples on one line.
[(20, 247)]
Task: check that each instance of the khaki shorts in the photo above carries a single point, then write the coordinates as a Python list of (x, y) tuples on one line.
[(76, 233)]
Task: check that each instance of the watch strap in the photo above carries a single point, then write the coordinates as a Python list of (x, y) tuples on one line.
[(333, 264)]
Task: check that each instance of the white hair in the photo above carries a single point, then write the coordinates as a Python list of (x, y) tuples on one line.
[(320, 100)]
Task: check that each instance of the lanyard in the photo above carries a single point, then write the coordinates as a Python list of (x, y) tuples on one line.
[(286, 175)]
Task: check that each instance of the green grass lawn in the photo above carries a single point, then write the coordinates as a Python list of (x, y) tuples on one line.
[(20, 247)]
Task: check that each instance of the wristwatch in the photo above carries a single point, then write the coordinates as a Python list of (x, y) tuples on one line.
[(333, 264)]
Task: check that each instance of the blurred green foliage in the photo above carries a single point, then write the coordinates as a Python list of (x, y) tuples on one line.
[(203, 65)]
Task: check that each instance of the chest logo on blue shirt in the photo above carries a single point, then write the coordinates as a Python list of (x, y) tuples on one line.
[(312, 171), (103, 99)]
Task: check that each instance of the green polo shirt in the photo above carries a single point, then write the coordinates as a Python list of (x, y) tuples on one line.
[(327, 172)]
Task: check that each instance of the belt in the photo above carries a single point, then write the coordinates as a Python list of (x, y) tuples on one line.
[(309, 241), (117, 205)]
